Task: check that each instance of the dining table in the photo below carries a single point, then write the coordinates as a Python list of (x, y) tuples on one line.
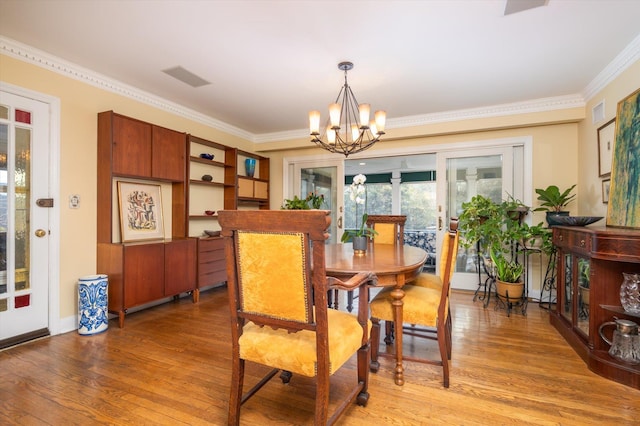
[(394, 264)]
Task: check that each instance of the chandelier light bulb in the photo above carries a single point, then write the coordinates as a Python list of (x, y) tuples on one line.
[(364, 110), (314, 123), (381, 118), (331, 136), (355, 132), (373, 128), (334, 115)]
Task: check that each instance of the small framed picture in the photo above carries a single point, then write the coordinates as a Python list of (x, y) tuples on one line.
[(605, 190), (606, 139), (140, 211)]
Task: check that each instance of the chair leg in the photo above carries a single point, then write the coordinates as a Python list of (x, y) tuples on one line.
[(235, 399), (388, 332), (442, 345), (375, 344), (322, 399), (363, 374)]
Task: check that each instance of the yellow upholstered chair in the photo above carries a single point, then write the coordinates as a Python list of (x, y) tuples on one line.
[(435, 281), (390, 228), (278, 298), (422, 306)]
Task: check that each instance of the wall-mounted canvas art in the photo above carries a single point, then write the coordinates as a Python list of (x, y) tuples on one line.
[(624, 193), (140, 211)]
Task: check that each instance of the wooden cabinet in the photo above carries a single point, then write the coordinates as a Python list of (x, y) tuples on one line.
[(590, 266), (140, 273), (145, 150), (135, 151)]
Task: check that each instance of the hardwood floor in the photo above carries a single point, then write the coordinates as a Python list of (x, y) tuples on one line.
[(170, 365)]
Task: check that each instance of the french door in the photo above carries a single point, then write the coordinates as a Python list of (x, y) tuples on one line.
[(462, 174), (323, 177), (24, 224), (495, 169)]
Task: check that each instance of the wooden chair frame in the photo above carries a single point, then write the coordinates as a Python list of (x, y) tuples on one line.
[(313, 225), (398, 220), (442, 332)]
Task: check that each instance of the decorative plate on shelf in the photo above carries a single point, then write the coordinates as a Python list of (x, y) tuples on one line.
[(577, 220)]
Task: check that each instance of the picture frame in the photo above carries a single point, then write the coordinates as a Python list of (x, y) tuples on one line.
[(606, 143), (140, 211), (606, 185), (623, 210)]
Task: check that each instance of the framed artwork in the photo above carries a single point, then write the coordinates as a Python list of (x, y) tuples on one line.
[(140, 211), (606, 184), (624, 194), (606, 139)]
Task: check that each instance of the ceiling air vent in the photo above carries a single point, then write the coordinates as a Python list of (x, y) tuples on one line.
[(186, 76), (515, 6)]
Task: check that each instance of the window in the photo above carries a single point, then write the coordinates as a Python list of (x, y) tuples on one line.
[(416, 199)]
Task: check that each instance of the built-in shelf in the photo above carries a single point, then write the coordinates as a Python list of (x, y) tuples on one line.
[(619, 310)]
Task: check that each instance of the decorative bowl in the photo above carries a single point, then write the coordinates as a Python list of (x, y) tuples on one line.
[(206, 156), (577, 220), (207, 178), (212, 233), (209, 212)]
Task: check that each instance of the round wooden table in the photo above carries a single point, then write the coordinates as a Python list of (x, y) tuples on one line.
[(394, 265)]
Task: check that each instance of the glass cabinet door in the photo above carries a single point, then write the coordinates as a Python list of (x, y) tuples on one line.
[(567, 292), (583, 276)]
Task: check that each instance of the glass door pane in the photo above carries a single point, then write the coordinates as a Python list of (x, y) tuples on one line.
[(323, 180), (567, 292), (461, 176), (583, 294)]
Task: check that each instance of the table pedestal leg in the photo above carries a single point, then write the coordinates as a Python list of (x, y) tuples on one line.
[(398, 294)]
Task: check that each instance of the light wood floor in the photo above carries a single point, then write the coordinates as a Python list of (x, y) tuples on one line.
[(170, 365)]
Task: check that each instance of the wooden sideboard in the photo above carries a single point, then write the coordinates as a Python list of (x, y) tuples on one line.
[(591, 261)]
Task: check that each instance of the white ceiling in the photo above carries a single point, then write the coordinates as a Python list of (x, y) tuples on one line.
[(270, 62)]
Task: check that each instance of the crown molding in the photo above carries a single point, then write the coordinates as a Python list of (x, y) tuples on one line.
[(527, 107), (624, 60), (42, 59)]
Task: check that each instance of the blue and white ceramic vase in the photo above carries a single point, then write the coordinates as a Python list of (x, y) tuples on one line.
[(92, 304), (250, 166)]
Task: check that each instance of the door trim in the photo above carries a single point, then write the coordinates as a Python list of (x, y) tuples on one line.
[(54, 192)]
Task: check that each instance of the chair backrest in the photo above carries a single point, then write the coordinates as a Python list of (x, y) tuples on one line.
[(274, 277), (451, 239), (390, 228), (449, 245)]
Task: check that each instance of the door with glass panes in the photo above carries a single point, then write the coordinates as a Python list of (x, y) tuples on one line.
[(24, 223)]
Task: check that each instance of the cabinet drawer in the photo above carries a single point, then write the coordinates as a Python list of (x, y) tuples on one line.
[(210, 244), (579, 241), (213, 266)]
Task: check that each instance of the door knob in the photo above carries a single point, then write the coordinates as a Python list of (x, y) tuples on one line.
[(40, 233)]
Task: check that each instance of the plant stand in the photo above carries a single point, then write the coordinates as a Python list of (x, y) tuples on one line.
[(483, 292), (549, 284), (511, 302)]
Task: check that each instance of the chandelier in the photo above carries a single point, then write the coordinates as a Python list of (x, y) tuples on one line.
[(348, 129)]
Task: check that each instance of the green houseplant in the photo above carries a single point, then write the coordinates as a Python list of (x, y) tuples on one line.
[(362, 232), (553, 201), (313, 201), (509, 284), (295, 204)]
